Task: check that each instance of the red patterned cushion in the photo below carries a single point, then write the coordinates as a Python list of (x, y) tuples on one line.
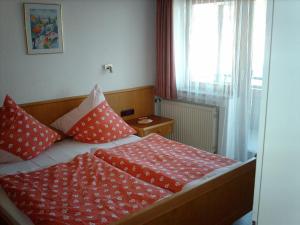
[(21, 134), (100, 125)]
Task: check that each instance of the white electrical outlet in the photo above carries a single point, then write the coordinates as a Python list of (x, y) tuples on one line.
[(108, 67)]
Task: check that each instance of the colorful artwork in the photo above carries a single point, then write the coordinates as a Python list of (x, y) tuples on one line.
[(43, 28)]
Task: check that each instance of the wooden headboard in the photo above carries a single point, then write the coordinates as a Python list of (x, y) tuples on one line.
[(141, 99)]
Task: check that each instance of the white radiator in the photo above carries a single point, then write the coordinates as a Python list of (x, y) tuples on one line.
[(195, 125)]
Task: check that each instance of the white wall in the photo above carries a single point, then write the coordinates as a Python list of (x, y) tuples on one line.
[(279, 193), (96, 32)]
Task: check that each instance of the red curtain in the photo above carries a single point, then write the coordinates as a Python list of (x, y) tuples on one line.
[(165, 69)]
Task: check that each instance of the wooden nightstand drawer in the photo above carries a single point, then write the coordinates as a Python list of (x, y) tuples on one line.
[(162, 130), (159, 125)]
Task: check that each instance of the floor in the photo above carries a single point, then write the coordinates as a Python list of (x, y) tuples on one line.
[(245, 220)]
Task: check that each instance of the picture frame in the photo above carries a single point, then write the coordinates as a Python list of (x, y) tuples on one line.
[(43, 28)]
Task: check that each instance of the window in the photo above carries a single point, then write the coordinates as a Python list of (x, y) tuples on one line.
[(212, 40)]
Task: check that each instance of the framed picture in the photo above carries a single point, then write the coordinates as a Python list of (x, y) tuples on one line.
[(43, 27)]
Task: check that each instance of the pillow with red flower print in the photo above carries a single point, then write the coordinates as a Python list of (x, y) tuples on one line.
[(94, 121), (21, 136)]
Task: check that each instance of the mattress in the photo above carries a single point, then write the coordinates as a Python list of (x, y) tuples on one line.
[(65, 151)]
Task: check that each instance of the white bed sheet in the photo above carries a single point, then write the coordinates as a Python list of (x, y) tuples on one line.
[(65, 151)]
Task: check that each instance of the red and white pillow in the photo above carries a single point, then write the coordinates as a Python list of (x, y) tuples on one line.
[(93, 121), (21, 136)]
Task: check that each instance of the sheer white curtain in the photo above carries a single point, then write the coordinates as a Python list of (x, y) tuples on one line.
[(218, 60)]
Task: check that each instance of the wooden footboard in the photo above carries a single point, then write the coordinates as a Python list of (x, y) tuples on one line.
[(219, 201)]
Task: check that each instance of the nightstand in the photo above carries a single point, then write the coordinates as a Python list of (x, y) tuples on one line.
[(159, 125)]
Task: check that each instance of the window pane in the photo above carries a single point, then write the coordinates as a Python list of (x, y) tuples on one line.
[(203, 43), (211, 43), (258, 42), (226, 45)]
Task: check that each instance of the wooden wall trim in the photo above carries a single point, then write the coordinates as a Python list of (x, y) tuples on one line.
[(141, 99), (66, 99)]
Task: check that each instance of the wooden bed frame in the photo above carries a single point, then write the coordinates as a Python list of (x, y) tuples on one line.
[(219, 201)]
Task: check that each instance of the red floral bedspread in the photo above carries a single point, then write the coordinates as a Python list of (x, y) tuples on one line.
[(86, 190), (163, 162)]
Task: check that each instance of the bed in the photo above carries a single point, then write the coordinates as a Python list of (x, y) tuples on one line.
[(219, 198)]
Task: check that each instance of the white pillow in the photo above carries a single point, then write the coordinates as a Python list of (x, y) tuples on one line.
[(7, 157), (67, 121)]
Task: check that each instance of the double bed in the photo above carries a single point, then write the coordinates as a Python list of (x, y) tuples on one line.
[(219, 197)]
